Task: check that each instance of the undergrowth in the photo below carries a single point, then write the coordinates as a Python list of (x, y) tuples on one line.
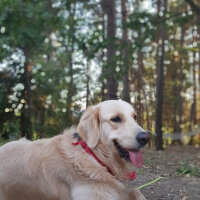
[(186, 168)]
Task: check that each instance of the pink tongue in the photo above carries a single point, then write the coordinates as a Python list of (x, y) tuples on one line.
[(136, 158)]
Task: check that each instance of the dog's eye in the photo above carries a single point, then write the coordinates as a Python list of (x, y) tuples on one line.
[(135, 117), (116, 119)]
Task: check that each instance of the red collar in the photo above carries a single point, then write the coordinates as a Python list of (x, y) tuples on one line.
[(89, 151)]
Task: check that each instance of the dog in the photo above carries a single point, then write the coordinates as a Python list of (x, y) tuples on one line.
[(87, 162)]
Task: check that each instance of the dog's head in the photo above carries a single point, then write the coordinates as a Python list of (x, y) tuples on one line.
[(113, 124)]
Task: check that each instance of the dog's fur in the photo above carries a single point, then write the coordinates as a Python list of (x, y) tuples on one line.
[(54, 169)]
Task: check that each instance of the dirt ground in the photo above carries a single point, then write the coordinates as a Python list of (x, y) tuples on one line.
[(165, 163)]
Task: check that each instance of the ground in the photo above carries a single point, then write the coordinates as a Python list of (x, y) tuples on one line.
[(164, 164)]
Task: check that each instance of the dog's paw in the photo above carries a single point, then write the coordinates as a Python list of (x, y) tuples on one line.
[(136, 195)]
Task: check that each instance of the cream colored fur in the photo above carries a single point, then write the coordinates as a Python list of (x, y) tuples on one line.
[(54, 169)]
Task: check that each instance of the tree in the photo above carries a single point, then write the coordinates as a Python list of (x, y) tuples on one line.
[(160, 85), (111, 84), (26, 24), (6, 84), (125, 59), (63, 55)]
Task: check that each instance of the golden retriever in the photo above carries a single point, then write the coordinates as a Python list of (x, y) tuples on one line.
[(88, 162)]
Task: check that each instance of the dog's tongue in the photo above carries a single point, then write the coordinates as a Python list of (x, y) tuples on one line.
[(136, 158)]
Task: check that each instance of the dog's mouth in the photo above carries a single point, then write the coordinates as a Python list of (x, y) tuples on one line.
[(133, 155)]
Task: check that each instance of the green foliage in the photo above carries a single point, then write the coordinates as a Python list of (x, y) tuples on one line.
[(59, 38), (26, 23), (186, 168)]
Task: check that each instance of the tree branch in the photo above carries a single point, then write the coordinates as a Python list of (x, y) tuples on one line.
[(194, 6)]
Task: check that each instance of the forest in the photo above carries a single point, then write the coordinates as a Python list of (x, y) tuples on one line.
[(59, 56)]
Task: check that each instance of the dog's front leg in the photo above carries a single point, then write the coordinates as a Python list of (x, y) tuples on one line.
[(135, 194), (95, 191)]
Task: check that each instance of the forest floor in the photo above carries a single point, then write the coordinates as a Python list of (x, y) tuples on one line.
[(164, 164)]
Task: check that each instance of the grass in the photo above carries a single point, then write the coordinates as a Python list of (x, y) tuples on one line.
[(185, 168)]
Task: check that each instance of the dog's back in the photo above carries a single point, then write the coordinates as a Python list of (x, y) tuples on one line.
[(21, 172)]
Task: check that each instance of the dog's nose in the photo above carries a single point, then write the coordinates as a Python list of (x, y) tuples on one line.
[(142, 138)]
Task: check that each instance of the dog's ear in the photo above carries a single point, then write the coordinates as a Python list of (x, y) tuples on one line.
[(88, 126)]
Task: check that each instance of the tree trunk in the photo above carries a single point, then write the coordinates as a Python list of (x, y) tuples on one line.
[(160, 87), (22, 131), (140, 106), (180, 87), (28, 131), (111, 84), (194, 90), (103, 70), (158, 119), (198, 39), (158, 37), (87, 82), (125, 41), (71, 89), (41, 120), (193, 107), (174, 93), (180, 104)]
